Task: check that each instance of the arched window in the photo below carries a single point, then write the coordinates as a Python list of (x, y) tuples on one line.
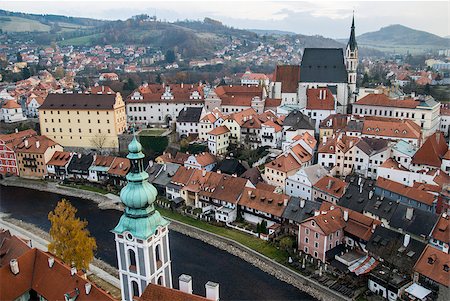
[(132, 260), (135, 288), (158, 256), (160, 280)]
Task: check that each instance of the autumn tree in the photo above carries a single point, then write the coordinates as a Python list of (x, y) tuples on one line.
[(70, 240)]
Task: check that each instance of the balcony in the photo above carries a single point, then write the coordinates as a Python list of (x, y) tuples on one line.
[(267, 136)]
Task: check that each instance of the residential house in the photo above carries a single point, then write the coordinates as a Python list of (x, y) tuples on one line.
[(403, 152), (188, 121), (271, 134), (160, 175), (250, 78), (296, 123), (33, 153), (370, 154), (12, 112), (329, 189), (235, 121), (431, 271), (258, 205), (251, 132), (34, 101), (286, 83), (98, 171), (204, 161), (92, 121), (320, 103), (78, 168), (57, 166), (219, 140), (445, 121), (431, 153), (208, 122), (296, 211), (440, 236), (338, 154), (8, 157), (230, 166), (424, 112), (287, 164), (118, 171), (162, 103), (301, 183), (172, 157)]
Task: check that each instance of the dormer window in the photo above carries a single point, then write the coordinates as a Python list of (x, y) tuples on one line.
[(446, 267), (431, 260), (396, 131)]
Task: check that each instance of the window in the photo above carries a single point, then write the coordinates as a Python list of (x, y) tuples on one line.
[(135, 288), (316, 235), (316, 254), (132, 260), (306, 240), (307, 231), (316, 244)]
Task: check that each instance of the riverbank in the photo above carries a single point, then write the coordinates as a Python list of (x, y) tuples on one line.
[(258, 260)]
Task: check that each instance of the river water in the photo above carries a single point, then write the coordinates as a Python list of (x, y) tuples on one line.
[(238, 279)]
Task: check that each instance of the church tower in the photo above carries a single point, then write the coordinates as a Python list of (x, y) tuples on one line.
[(142, 241), (351, 60)]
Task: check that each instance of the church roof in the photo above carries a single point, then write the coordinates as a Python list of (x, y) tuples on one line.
[(323, 65)]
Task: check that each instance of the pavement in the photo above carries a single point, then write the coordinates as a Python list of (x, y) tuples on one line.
[(40, 243)]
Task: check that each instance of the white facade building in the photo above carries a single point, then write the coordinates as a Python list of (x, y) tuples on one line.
[(12, 112), (300, 184)]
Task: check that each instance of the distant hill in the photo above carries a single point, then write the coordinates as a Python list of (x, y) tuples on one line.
[(270, 32), (399, 37)]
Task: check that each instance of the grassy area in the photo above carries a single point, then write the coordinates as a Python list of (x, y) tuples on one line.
[(152, 132), (17, 24), (247, 240), (87, 187), (79, 41)]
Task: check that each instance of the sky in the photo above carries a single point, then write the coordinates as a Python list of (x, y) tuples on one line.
[(327, 18)]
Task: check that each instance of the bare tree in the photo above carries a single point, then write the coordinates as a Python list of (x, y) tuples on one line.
[(99, 141)]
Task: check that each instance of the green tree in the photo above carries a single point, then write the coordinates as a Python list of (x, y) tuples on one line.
[(70, 240), (263, 227), (26, 73), (170, 56), (286, 243), (19, 57), (130, 85)]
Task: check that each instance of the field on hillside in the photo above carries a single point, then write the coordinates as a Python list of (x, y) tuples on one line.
[(17, 24), (79, 41), (401, 49)]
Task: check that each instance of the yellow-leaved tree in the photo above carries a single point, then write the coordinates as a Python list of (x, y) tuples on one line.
[(71, 241)]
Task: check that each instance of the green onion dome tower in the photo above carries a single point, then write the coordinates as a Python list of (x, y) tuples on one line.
[(142, 233)]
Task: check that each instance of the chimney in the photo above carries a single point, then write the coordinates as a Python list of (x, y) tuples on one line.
[(38, 143), (316, 213), (370, 194), (17, 130), (87, 288), (409, 213), (324, 94), (445, 248), (51, 261), (285, 202), (302, 203), (406, 240), (73, 271), (14, 266), (26, 142), (212, 291), (320, 94), (203, 172), (345, 215), (330, 183), (79, 156), (185, 283)]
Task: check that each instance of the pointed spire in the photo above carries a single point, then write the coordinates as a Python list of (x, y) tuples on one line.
[(352, 41)]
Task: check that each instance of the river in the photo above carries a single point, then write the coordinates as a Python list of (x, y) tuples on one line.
[(238, 279)]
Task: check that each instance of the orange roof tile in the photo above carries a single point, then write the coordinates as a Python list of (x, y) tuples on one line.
[(154, 292), (120, 166), (332, 186), (35, 145), (383, 100), (220, 130), (285, 163), (11, 104), (431, 264), (320, 99), (390, 127), (432, 151), (264, 201), (410, 192), (441, 230), (59, 159)]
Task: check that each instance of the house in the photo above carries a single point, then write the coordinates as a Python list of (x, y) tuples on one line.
[(29, 273), (234, 99), (287, 164), (301, 183), (57, 166), (431, 271), (286, 83), (258, 205), (12, 112), (108, 77), (209, 122), (33, 153), (79, 166), (321, 233), (387, 283), (431, 153), (320, 103), (351, 125), (204, 161), (403, 152), (296, 123), (424, 112), (92, 121), (445, 121), (230, 166), (160, 175), (440, 236), (219, 140), (338, 154), (8, 157), (34, 101), (329, 188), (118, 171), (98, 171), (250, 78), (411, 196), (235, 121), (188, 121), (296, 211), (370, 154), (100, 89), (271, 134), (251, 132), (161, 103), (392, 129), (253, 175), (172, 157)]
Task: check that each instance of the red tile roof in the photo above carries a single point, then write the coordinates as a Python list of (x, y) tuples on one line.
[(289, 76), (431, 264), (11, 104), (264, 201), (154, 292), (383, 100), (220, 130), (11, 247), (332, 186), (119, 167), (432, 151), (390, 127), (320, 99), (442, 229), (329, 221), (205, 159), (59, 159), (285, 163), (410, 192), (32, 146)]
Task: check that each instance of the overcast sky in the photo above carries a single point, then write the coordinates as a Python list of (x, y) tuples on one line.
[(327, 18)]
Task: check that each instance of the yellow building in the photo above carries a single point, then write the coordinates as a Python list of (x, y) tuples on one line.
[(83, 120)]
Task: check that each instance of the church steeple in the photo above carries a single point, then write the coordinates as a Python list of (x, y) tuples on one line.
[(142, 240), (352, 40)]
